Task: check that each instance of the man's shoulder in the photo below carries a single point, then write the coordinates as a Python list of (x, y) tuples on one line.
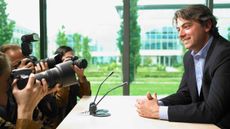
[(222, 42)]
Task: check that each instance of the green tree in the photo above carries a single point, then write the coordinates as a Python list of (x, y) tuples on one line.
[(36, 48), (61, 37), (120, 38), (85, 49), (77, 43), (147, 61), (6, 25), (135, 40)]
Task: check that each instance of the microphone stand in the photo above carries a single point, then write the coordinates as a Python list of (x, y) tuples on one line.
[(93, 106), (102, 112)]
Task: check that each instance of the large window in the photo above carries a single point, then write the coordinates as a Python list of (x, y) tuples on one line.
[(25, 14), (96, 21), (99, 24), (221, 9), (161, 52)]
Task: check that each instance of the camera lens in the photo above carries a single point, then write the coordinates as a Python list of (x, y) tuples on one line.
[(54, 60), (62, 73), (81, 63)]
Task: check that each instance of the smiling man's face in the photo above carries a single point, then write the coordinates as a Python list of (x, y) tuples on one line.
[(192, 34)]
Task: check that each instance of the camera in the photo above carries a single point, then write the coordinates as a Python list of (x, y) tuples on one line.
[(27, 49), (56, 59), (62, 73), (80, 62)]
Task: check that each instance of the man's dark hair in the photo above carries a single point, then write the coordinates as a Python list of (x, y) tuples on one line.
[(199, 13), (63, 49)]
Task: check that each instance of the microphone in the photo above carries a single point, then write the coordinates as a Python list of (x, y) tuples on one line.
[(101, 85), (102, 112), (93, 107)]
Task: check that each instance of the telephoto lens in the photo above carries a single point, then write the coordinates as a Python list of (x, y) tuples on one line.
[(56, 59), (62, 73), (80, 62)]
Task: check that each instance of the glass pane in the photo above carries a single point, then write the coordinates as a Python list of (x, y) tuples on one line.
[(223, 21), (161, 52), (25, 14), (169, 2), (98, 21)]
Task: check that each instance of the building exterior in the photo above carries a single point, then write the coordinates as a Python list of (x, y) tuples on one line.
[(18, 32), (161, 46)]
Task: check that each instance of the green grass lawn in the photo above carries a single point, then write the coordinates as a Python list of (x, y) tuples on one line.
[(147, 80), (141, 86)]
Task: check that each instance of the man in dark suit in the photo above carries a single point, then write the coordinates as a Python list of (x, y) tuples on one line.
[(204, 92)]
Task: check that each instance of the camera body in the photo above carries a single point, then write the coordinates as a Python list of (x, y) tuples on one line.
[(62, 73), (27, 50)]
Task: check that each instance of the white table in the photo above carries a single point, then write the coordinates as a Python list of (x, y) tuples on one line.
[(123, 116)]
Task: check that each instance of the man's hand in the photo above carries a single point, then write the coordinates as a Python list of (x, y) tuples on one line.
[(28, 98), (79, 72), (148, 107), (41, 66), (26, 63)]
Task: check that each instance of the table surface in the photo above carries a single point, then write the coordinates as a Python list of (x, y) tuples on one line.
[(123, 116)]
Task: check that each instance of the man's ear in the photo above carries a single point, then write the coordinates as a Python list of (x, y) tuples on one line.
[(208, 25)]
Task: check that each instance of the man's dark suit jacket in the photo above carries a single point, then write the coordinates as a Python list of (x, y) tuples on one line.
[(213, 104)]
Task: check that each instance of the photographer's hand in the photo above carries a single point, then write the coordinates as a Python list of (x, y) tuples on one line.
[(28, 98), (77, 70), (41, 66), (80, 73), (26, 63), (67, 59), (56, 88)]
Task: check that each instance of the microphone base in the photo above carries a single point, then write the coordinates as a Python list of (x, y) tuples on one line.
[(98, 112), (102, 113)]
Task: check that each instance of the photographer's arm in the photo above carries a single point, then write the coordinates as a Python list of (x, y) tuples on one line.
[(62, 96), (84, 84), (27, 99)]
